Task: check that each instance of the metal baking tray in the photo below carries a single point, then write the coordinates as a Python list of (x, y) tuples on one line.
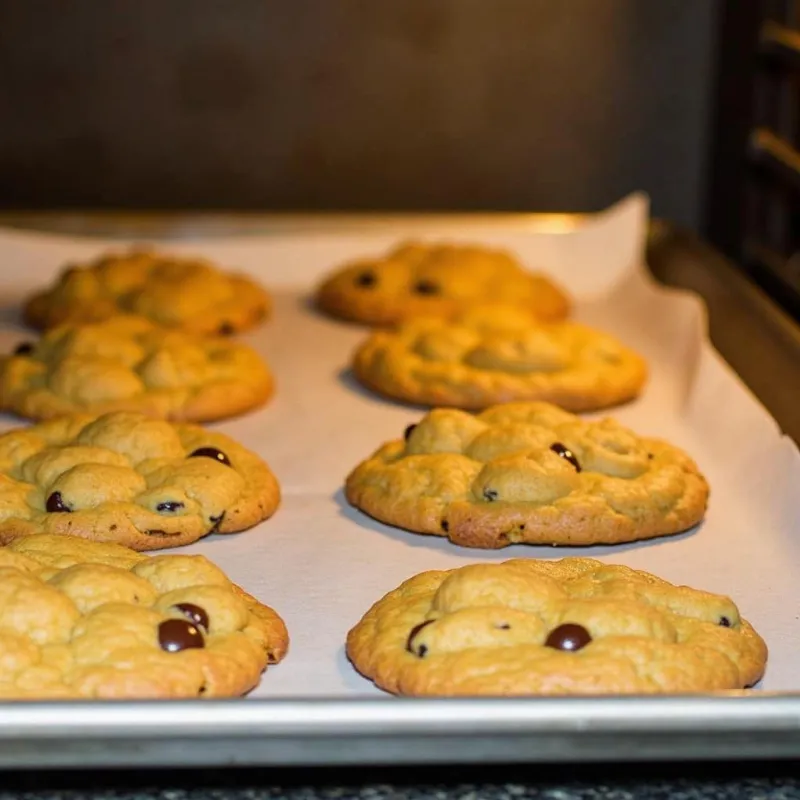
[(752, 334)]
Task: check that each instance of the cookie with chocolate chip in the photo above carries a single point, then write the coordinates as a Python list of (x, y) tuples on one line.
[(499, 354), (574, 626), (82, 619), (125, 478), (529, 473), (173, 291), (128, 363), (436, 279)]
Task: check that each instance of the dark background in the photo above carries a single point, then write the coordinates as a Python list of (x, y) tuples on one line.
[(357, 104)]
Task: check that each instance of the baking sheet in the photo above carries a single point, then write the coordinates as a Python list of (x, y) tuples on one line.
[(321, 564)]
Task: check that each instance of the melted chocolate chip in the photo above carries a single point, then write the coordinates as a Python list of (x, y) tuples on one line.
[(725, 622), (226, 329), (408, 431), (422, 649), (23, 349), (567, 454), (426, 287), (169, 505), (504, 626), (445, 525), (568, 637), (175, 635), (211, 452), (217, 522), (365, 279), (55, 503), (195, 614), (490, 495)]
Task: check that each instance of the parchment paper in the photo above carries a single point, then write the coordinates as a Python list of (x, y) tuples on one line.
[(322, 564)]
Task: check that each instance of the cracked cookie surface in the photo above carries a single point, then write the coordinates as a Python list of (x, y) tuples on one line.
[(129, 363), (172, 291), (499, 354), (435, 280), (82, 619), (574, 626), (125, 478), (529, 473)]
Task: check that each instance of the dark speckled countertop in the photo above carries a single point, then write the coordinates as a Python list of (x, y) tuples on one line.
[(757, 781)]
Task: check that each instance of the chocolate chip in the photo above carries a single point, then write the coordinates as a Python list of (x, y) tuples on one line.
[(175, 635), (211, 452), (445, 525), (566, 454), (408, 431), (169, 505), (55, 503), (365, 279), (503, 627), (422, 649), (23, 349), (490, 495), (195, 614), (725, 622), (426, 287), (568, 637), (217, 522), (226, 329)]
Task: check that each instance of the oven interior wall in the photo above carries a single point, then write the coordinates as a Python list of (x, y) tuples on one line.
[(355, 104)]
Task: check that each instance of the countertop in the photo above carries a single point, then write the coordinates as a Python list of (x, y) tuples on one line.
[(756, 781)]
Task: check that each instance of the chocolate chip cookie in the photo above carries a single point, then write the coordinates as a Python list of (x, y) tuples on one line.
[(122, 477), (128, 363), (497, 354), (82, 619), (436, 280), (529, 473), (172, 291), (574, 626)]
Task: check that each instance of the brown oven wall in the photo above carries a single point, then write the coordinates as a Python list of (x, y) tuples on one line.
[(355, 104)]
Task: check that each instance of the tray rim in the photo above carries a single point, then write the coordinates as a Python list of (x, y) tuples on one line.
[(361, 731), (153, 223), (311, 731)]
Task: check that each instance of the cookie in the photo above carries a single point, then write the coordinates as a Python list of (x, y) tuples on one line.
[(122, 477), (82, 619), (172, 291), (574, 626), (529, 473), (128, 363), (499, 354), (436, 280)]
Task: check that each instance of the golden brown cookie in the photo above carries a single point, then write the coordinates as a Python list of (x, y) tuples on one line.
[(128, 363), (529, 473), (82, 619), (122, 477), (437, 280), (173, 291), (498, 354), (575, 626)]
